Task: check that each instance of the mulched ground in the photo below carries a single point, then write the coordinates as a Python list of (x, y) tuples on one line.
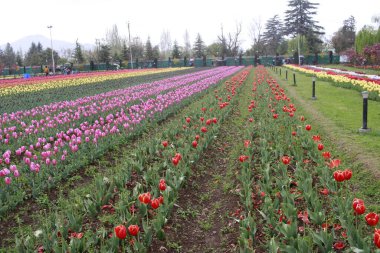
[(204, 217)]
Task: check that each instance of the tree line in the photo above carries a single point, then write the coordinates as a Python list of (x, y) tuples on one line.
[(275, 37)]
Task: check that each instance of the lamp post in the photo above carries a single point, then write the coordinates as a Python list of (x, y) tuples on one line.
[(364, 128), (130, 48), (313, 93), (52, 51)]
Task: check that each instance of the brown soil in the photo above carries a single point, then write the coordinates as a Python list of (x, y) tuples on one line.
[(203, 219)]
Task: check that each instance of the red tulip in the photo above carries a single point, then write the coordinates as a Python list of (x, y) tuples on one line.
[(376, 238), (308, 127), (339, 245), (121, 232), (334, 163), (155, 203), (302, 118), (250, 119), (347, 174), (133, 230), (208, 122), (162, 185), (197, 137), (325, 191), (188, 120), (339, 176), (247, 143), (285, 160), (165, 144), (195, 143), (372, 219), (242, 158), (175, 161), (145, 198), (294, 133), (356, 201), (316, 138), (358, 206), (202, 119), (204, 129), (326, 155), (214, 120), (320, 146), (275, 116)]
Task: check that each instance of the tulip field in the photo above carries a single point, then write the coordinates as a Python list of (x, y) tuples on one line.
[(100, 163)]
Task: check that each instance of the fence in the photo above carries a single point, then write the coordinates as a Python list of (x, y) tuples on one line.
[(198, 62)]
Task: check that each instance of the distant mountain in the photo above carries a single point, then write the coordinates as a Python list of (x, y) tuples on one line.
[(58, 45)]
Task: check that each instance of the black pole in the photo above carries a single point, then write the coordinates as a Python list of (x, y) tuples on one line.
[(313, 95), (365, 112), (294, 79), (286, 74)]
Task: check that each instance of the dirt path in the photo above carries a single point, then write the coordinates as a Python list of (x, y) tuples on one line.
[(202, 220)]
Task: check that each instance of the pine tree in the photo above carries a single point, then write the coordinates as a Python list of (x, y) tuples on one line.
[(273, 35), (148, 50), (176, 54), (199, 47), (9, 55), (299, 21), (78, 53)]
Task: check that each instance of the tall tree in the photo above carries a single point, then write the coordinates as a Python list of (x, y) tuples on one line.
[(165, 43), (137, 48), (9, 55), (299, 21), (148, 50), (256, 34), (176, 53), (114, 41), (78, 55), (365, 37), (273, 35), (156, 52), (35, 56), (214, 49), (344, 38), (19, 58), (104, 53), (231, 42), (187, 47), (199, 47)]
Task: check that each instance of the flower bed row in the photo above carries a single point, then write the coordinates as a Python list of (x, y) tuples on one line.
[(345, 81), (296, 195), (15, 86), (137, 199), (40, 154)]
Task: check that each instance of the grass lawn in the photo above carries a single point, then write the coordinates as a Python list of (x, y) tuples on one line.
[(337, 112), (367, 71)]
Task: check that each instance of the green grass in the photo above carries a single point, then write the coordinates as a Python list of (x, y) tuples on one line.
[(337, 117), (367, 71)]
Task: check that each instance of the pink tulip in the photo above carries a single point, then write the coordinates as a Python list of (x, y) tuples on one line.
[(8, 180)]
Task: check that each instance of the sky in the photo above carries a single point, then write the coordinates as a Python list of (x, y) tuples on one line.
[(88, 20)]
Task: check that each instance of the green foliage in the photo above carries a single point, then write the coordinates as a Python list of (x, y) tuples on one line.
[(78, 53), (273, 35), (299, 21), (367, 36), (344, 38), (176, 53), (199, 47)]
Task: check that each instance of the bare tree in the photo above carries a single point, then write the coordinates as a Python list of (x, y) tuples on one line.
[(114, 40), (187, 46), (256, 33), (230, 44), (165, 43)]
